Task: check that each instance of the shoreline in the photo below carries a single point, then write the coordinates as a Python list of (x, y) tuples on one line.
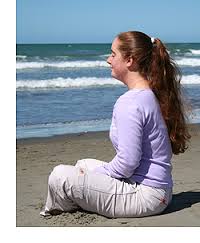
[(193, 128), (36, 157), (62, 136)]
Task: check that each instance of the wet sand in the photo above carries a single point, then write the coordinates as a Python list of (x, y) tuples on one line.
[(36, 158)]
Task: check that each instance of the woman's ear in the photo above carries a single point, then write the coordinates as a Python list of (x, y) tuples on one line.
[(131, 64)]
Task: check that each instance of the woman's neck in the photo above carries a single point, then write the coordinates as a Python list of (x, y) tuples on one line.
[(135, 81)]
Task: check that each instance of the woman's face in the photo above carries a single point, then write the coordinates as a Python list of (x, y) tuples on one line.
[(117, 62)]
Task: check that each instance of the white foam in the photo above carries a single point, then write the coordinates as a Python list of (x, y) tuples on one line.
[(188, 62), (190, 79), (65, 83), (194, 117), (105, 55), (90, 64), (21, 57), (195, 52), (84, 82), (68, 64)]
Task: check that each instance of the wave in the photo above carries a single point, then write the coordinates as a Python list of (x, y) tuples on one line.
[(69, 64), (65, 83), (83, 82), (21, 57), (188, 62), (194, 117), (105, 55), (190, 79), (91, 64), (195, 52)]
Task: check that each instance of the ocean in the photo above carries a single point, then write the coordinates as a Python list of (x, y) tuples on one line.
[(68, 88)]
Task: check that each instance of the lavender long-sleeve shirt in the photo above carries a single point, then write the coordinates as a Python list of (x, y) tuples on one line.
[(140, 138)]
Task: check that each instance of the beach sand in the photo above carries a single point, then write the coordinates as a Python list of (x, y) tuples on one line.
[(37, 157)]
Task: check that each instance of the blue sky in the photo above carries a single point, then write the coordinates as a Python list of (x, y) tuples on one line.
[(98, 21)]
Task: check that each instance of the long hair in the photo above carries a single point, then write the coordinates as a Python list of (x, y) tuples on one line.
[(154, 63)]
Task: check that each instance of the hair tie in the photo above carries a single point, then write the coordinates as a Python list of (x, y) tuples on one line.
[(152, 40)]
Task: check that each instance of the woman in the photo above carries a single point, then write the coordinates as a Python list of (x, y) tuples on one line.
[(148, 125)]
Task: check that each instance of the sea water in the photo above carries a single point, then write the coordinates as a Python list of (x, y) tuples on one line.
[(68, 88)]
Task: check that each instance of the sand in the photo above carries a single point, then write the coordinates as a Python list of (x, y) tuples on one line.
[(37, 157)]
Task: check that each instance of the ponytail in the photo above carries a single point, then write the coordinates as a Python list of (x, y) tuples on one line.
[(164, 80)]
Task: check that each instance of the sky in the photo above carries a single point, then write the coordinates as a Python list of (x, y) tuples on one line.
[(99, 21)]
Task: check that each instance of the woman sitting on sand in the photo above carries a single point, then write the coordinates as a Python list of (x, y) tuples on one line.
[(148, 125)]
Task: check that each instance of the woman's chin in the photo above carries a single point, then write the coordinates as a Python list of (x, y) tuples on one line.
[(113, 75)]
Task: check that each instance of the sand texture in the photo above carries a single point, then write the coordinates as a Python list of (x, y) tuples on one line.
[(37, 157)]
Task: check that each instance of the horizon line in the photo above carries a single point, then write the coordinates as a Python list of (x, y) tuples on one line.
[(86, 43)]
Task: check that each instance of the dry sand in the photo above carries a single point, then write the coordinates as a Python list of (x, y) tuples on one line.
[(37, 157)]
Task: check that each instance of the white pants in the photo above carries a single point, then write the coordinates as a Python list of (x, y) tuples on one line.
[(74, 187)]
